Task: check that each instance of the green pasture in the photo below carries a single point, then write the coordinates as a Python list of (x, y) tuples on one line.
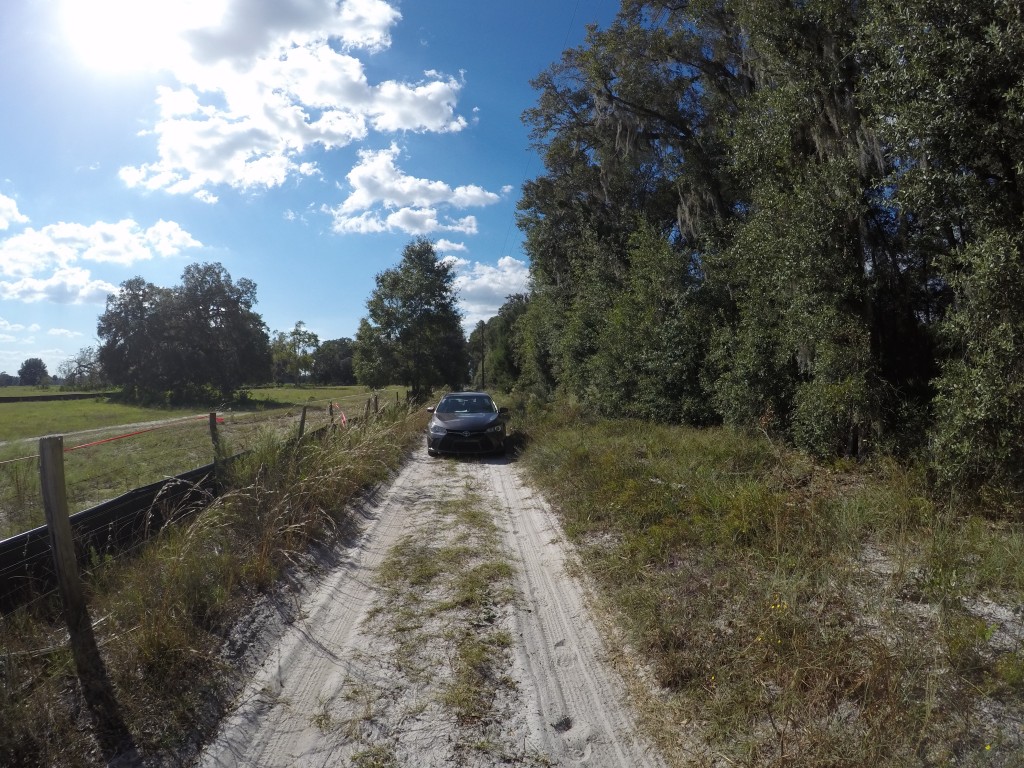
[(32, 391), (112, 448), (29, 419), (349, 398)]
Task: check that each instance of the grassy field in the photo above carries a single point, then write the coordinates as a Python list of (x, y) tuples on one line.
[(29, 391), (794, 613), (24, 420), (110, 456)]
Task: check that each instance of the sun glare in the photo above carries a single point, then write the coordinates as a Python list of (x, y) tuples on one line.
[(124, 36)]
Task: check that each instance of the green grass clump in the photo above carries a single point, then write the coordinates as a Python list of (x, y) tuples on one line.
[(793, 613), (456, 579), (163, 612)]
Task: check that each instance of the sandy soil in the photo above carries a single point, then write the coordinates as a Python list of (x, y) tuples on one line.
[(338, 689)]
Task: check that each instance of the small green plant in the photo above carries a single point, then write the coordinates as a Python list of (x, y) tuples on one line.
[(377, 756), (322, 719)]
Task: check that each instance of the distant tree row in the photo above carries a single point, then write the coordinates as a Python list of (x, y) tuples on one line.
[(32, 373), (202, 340), (802, 217)]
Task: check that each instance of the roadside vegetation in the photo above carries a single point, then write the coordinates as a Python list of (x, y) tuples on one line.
[(794, 612), (163, 613)]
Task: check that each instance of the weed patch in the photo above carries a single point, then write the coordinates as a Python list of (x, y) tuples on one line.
[(792, 613), (163, 613)]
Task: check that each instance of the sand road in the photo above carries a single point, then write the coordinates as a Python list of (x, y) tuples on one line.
[(338, 689)]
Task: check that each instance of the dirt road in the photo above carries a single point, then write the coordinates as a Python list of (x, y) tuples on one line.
[(452, 635)]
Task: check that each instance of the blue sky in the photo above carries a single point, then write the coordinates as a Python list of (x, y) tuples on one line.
[(300, 143)]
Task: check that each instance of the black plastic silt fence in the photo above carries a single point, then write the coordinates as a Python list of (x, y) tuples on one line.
[(26, 564), (112, 527)]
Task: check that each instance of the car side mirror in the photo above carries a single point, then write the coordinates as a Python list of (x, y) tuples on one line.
[(430, 409), (503, 410)]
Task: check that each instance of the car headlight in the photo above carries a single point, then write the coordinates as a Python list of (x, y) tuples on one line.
[(437, 429), (496, 428)]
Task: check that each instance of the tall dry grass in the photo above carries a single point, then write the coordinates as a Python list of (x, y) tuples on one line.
[(163, 612), (794, 613)]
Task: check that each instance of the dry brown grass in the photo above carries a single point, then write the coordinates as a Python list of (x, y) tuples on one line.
[(163, 613), (793, 613)]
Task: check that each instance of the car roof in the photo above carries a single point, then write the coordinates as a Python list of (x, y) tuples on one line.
[(465, 394)]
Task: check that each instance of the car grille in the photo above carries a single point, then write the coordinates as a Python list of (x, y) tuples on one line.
[(465, 440)]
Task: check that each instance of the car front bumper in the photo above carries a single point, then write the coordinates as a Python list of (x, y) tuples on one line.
[(467, 442)]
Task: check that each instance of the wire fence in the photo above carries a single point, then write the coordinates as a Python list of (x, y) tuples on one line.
[(126, 484)]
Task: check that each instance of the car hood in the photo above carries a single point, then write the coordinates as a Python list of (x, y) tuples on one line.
[(466, 421)]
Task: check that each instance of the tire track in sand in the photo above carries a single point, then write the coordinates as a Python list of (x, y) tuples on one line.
[(274, 723), (575, 704), (566, 707)]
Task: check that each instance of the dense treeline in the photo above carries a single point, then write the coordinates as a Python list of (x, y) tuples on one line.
[(799, 216)]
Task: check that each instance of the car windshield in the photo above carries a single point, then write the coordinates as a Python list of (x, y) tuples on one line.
[(467, 404)]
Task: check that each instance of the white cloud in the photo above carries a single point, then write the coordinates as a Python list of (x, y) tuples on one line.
[(64, 332), (273, 78), (9, 213), (44, 262), (363, 224), (447, 245), (377, 180), (414, 221), (483, 288), (385, 199), (249, 29), (58, 246), (8, 326), (71, 285)]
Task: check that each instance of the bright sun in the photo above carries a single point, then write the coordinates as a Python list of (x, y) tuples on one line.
[(123, 36)]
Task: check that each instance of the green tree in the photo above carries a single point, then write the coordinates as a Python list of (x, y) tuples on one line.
[(193, 341), (492, 350), (293, 353), (374, 360), (83, 370), (332, 362), (651, 350), (947, 91), (413, 331), (133, 334), (32, 372)]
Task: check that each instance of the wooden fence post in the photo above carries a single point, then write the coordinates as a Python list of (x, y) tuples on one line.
[(111, 731), (330, 410), (376, 406), (214, 436), (302, 422), (218, 452), (369, 402)]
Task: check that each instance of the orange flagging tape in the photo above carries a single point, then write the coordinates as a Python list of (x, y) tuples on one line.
[(220, 420)]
